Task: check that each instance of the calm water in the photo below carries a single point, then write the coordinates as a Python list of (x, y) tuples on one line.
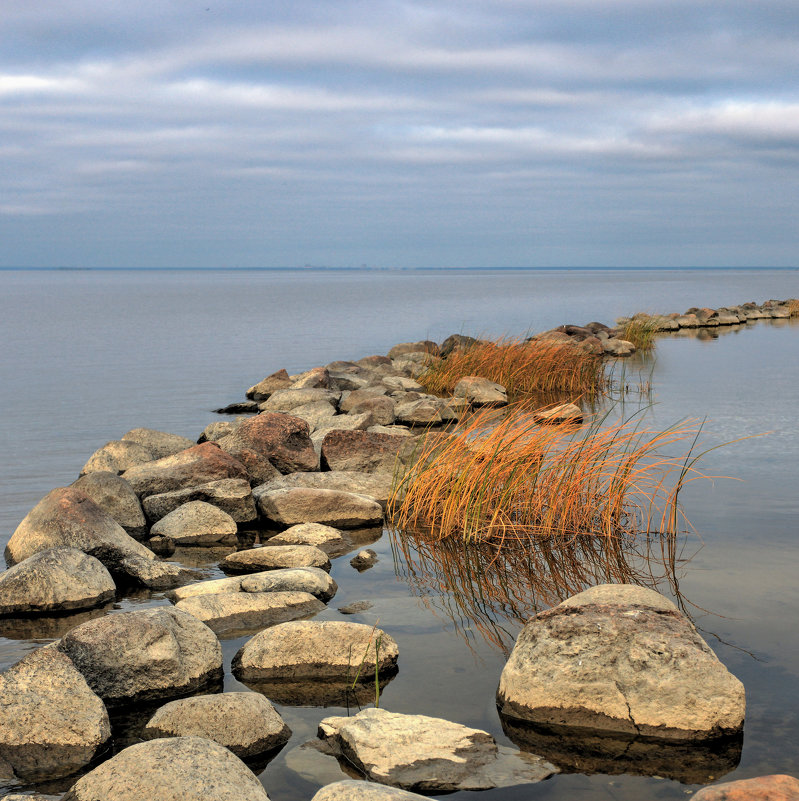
[(88, 356)]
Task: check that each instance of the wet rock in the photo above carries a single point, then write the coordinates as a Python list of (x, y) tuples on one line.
[(159, 443), (239, 407), (284, 400), (617, 347), (263, 389), (145, 654), (52, 723), (416, 752), (161, 546), (326, 538), (312, 580), (634, 665), (275, 557), (309, 649), (763, 788), (55, 580), (563, 413), (170, 769), (316, 414), (425, 346), (356, 607), (66, 517), (215, 431), (364, 559), (116, 457), (190, 468), (231, 495), (245, 723), (197, 523), (226, 613), (456, 342), (480, 391), (365, 452), (113, 494), (330, 507)]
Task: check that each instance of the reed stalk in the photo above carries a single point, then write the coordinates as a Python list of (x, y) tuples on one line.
[(640, 329)]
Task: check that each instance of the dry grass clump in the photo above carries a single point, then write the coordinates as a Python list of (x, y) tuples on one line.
[(793, 307), (523, 368), (640, 329), (514, 481)]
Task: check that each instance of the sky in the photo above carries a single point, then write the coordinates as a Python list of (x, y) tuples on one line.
[(387, 133)]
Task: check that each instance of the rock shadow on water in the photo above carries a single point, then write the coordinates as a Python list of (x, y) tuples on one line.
[(587, 751), (323, 693), (48, 627)]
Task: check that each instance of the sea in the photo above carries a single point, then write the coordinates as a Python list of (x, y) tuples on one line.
[(90, 354)]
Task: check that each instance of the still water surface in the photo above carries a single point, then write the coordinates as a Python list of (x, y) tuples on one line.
[(88, 356)]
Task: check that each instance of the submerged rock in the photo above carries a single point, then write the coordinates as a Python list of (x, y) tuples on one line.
[(291, 506), (273, 557), (197, 523), (231, 495), (113, 494), (364, 559), (634, 665)]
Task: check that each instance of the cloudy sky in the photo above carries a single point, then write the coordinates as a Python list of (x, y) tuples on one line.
[(396, 133)]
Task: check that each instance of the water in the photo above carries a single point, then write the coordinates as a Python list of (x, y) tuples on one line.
[(88, 356)]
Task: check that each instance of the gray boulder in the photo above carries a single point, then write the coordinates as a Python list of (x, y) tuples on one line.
[(228, 613), (331, 507), (263, 389), (55, 580), (422, 412), (231, 495), (431, 755), (366, 452), (634, 665), (373, 485), (380, 408), (402, 383), (312, 580), (214, 431), (144, 655), (232, 584), (563, 413), (619, 347), (424, 346), (350, 400), (245, 723), (116, 457), (274, 557), (170, 769), (284, 400), (112, 493), (480, 391), (327, 650), (159, 443), (52, 723), (316, 414), (353, 790), (326, 538), (197, 523), (457, 342)]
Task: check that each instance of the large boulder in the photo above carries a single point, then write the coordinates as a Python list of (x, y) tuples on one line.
[(245, 723), (274, 557), (197, 523), (431, 755), (330, 507), (316, 414), (263, 389), (480, 391), (112, 493), (327, 650), (425, 346), (231, 495), (170, 769), (52, 723), (159, 443), (351, 399), (66, 517), (776, 787), (373, 485), (55, 580), (456, 342), (366, 452), (380, 408), (271, 442), (634, 665), (228, 613), (354, 790), (284, 400), (143, 655), (116, 457), (326, 538), (190, 468)]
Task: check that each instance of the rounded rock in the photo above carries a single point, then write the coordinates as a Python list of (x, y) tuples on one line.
[(197, 523)]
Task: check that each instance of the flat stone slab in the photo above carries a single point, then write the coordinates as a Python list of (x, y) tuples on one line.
[(274, 557), (431, 755), (246, 723), (335, 508), (197, 523), (229, 612)]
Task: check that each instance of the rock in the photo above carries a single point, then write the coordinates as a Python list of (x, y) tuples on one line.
[(331, 507), (170, 769), (285, 400), (214, 586), (396, 430), (263, 389), (366, 452), (425, 346), (634, 665), (235, 612), (329, 651), (161, 546), (52, 723), (356, 607), (197, 523), (480, 391), (353, 790), (352, 399), (245, 723), (316, 414), (113, 494), (318, 377), (763, 788), (274, 557), (402, 383), (66, 517), (456, 342), (364, 559), (268, 441), (239, 407), (563, 413), (215, 431), (190, 468), (423, 412), (55, 580), (416, 752), (231, 495), (617, 347), (326, 538), (687, 321), (342, 422), (380, 408), (116, 457), (159, 443), (374, 361), (310, 580), (145, 654)]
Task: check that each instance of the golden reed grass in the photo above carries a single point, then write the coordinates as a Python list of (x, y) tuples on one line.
[(640, 329), (523, 368), (793, 307)]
